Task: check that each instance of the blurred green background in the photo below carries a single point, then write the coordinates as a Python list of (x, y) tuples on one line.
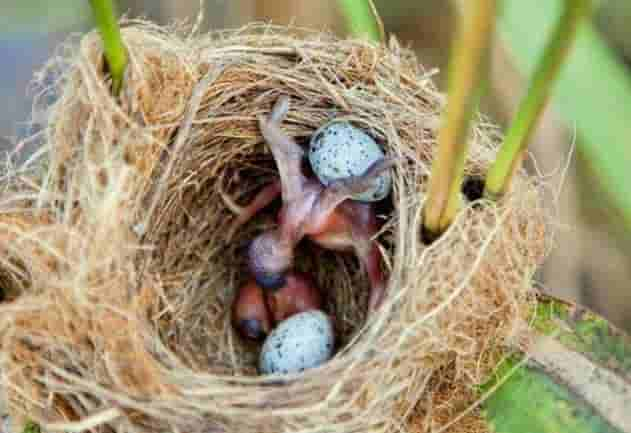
[(591, 109)]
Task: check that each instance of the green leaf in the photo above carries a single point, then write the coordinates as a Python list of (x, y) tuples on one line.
[(593, 92), (575, 378), (530, 401)]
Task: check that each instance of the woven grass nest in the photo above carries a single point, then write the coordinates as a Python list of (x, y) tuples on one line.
[(115, 251)]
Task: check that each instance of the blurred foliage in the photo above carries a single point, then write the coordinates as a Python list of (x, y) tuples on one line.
[(42, 16), (614, 21), (542, 79), (593, 93)]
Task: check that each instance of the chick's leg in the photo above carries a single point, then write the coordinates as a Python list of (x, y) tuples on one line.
[(368, 253), (287, 153), (244, 214)]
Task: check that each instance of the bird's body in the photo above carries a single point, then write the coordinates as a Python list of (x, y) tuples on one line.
[(324, 215), (299, 294), (255, 312), (340, 230), (250, 314)]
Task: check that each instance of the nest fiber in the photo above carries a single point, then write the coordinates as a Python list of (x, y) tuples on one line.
[(114, 244)]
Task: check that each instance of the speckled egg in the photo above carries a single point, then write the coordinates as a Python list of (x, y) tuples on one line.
[(303, 341), (339, 149)]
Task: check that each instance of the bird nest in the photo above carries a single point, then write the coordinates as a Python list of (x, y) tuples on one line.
[(115, 243)]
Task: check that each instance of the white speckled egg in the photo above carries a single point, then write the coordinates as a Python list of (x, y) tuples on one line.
[(302, 341), (339, 149)]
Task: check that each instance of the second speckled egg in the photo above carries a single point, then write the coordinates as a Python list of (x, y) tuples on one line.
[(305, 340), (339, 150)]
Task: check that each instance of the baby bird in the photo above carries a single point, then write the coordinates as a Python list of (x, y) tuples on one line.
[(298, 295), (250, 315), (324, 215), (254, 312)]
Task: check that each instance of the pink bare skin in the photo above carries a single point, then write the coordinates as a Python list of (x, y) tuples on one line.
[(324, 215)]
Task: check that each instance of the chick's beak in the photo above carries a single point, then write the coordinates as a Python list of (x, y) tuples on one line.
[(250, 315), (270, 282), (253, 329)]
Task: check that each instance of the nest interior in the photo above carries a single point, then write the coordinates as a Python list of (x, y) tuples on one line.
[(114, 236)]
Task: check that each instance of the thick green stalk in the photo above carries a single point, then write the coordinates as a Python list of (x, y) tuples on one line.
[(467, 69), (115, 52), (518, 136), (362, 18)]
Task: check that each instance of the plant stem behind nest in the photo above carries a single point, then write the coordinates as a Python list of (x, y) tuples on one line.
[(467, 68), (516, 141), (363, 19), (115, 52)]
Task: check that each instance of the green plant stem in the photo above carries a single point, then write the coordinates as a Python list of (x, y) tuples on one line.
[(362, 18), (467, 69), (115, 52), (519, 132)]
